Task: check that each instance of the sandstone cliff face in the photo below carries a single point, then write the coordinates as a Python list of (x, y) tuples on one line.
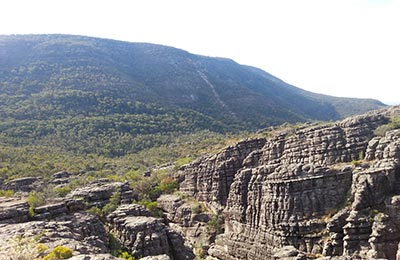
[(300, 188), (209, 179)]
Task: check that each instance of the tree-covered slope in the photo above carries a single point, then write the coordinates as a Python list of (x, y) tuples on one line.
[(96, 95)]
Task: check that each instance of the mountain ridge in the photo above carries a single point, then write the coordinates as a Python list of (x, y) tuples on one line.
[(51, 77)]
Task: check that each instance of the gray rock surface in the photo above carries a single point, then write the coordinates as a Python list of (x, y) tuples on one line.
[(94, 257), (188, 218), (143, 235), (315, 192), (98, 193), (308, 189), (64, 222), (61, 178), (13, 210), (57, 208), (209, 179), (157, 257), (83, 233), (25, 184)]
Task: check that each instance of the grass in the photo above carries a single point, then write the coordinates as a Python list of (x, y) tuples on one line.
[(394, 123)]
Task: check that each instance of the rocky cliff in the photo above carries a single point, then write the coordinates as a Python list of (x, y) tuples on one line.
[(326, 191), (322, 190)]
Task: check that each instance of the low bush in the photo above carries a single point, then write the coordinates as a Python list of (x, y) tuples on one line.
[(62, 191), (113, 204), (152, 206), (35, 199), (6, 193), (58, 253), (214, 225), (116, 248), (394, 123), (95, 211)]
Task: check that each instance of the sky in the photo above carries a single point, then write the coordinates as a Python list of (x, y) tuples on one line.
[(348, 48)]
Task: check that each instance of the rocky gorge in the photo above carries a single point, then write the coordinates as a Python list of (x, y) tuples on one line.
[(315, 191), (324, 191)]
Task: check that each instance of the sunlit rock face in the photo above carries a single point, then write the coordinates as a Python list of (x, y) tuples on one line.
[(323, 190)]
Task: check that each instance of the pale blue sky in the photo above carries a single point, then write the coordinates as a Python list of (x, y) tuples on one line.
[(337, 47)]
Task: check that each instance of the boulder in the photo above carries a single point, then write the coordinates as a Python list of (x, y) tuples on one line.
[(98, 193), (25, 184), (13, 210), (142, 235)]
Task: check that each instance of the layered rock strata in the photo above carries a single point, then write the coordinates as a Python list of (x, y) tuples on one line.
[(13, 210), (309, 188), (81, 232), (25, 184), (65, 222), (143, 235), (210, 178), (98, 193), (188, 218)]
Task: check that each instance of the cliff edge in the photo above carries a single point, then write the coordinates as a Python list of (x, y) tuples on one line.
[(315, 191)]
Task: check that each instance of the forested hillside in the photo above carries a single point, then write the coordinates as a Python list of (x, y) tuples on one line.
[(90, 95)]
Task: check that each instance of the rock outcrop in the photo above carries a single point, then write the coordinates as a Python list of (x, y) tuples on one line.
[(64, 222), (16, 210), (13, 210), (83, 233), (25, 184), (188, 218), (209, 179), (143, 235), (61, 178), (323, 190), (319, 191), (99, 192)]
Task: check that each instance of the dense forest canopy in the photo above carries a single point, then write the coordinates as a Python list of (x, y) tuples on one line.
[(90, 95)]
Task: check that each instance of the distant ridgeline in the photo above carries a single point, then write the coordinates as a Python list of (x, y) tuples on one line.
[(91, 95)]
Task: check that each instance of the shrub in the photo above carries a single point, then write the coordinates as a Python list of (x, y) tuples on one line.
[(200, 253), (152, 189), (58, 253), (21, 248), (108, 208), (115, 199), (182, 161), (167, 185), (125, 255), (35, 199), (6, 193), (115, 177), (116, 249), (152, 206), (113, 244), (95, 211), (361, 156), (41, 247), (394, 123), (197, 208), (373, 214), (356, 163), (62, 191), (214, 225)]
